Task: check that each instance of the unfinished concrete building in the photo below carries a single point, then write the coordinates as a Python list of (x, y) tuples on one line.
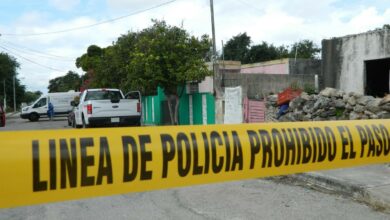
[(358, 63)]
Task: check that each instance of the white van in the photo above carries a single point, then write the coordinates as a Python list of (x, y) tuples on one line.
[(60, 100)]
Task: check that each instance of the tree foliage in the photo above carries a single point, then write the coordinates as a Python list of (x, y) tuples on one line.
[(70, 81), (29, 96), (167, 56), (305, 49), (91, 59), (161, 55), (239, 48), (108, 67), (264, 52), (8, 73)]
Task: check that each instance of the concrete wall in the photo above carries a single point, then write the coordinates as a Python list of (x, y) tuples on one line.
[(284, 66), (227, 65), (270, 67), (256, 86), (305, 66), (343, 58)]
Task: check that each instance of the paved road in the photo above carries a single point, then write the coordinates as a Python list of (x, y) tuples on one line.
[(251, 199), (16, 123)]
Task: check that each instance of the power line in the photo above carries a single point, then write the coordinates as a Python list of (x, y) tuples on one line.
[(91, 25), (36, 51), (31, 61), (28, 53)]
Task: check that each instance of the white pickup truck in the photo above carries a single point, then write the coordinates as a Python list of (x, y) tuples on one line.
[(101, 107)]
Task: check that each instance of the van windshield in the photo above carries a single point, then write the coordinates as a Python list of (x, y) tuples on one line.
[(42, 102)]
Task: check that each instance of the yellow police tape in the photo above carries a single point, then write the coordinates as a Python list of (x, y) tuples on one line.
[(46, 166)]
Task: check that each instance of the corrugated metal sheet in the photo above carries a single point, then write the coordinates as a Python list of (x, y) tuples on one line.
[(254, 111)]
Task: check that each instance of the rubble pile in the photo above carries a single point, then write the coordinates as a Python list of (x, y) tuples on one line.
[(330, 104)]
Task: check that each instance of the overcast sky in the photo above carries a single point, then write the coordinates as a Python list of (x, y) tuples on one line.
[(278, 22)]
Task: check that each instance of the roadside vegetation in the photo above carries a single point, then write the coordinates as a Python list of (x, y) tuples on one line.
[(8, 79), (241, 48), (159, 56)]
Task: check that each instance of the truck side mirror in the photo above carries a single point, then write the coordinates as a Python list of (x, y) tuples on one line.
[(74, 104)]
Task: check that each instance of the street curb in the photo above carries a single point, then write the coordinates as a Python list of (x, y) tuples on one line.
[(345, 188)]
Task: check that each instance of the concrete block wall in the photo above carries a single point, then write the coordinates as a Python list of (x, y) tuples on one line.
[(269, 67), (257, 86), (305, 66), (343, 58), (284, 66)]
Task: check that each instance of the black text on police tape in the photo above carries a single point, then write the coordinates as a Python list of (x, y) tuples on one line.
[(220, 152)]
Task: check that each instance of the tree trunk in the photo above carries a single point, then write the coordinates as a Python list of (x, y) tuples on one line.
[(173, 111), (177, 110)]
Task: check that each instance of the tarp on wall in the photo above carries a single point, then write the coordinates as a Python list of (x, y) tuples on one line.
[(233, 105)]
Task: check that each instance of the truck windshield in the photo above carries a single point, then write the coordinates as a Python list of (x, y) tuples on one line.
[(103, 95)]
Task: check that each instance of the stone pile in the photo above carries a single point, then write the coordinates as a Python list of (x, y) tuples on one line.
[(330, 104)]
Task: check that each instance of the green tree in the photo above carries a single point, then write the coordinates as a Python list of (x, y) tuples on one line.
[(108, 67), (89, 63), (161, 55), (124, 53), (265, 52), (237, 48), (167, 56), (112, 70), (29, 96), (8, 73), (70, 81), (305, 49), (89, 60)]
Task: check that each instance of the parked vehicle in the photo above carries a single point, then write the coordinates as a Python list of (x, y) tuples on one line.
[(102, 107), (2, 116), (60, 100)]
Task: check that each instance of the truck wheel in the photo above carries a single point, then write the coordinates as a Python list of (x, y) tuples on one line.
[(33, 117), (84, 125), (75, 125)]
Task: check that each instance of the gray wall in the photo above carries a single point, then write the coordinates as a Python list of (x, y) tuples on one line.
[(305, 66), (343, 58), (256, 86)]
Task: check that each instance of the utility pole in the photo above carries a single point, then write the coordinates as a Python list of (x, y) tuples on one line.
[(217, 78), (223, 56), (14, 95), (213, 29), (5, 96)]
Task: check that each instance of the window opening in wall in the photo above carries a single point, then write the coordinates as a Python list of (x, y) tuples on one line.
[(377, 77)]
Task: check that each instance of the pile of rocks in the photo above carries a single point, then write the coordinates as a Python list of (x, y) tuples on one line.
[(330, 104)]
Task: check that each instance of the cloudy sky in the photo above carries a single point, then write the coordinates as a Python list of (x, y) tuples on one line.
[(27, 27)]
